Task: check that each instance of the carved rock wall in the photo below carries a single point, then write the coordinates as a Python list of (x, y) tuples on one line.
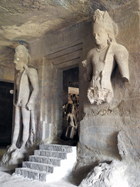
[(101, 124), (7, 69)]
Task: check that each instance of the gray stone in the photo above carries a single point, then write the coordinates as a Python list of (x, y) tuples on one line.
[(55, 147), (38, 166), (43, 159), (126, 147), (25, 94), (31, 174), (54, 154), (100, 60), (48, 168), (107, 175), (100, 132)]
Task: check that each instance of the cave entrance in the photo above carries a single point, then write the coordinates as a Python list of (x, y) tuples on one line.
[(70, 105), (6, 111), (60, 69)]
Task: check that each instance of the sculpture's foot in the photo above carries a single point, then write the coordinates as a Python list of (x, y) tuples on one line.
[(17, 156), (12, 148)]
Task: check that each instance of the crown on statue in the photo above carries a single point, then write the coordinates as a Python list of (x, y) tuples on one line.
[(103, 19)]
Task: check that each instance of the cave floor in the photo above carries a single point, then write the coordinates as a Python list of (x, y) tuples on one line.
[(8, 180)]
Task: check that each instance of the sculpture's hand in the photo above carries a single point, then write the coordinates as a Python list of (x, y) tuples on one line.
[(30, 106), (84, 62), (125, 79), (18, 104)]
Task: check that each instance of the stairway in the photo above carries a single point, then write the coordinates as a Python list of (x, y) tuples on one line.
[(50, 163)]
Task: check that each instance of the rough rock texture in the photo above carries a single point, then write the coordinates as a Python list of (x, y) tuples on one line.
[(116, 173), (23, 19), (101, 124), (106, 175), (61, 27), (29, 20)]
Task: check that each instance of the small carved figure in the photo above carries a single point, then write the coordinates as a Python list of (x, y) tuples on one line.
[(101, 60), (26, 91)]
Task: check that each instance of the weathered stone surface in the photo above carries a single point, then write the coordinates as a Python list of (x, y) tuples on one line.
[(54, 147), (100, 132), (43, 159), (47, 168), (31, 174), (127, 148), (25, 94), (100, 59), (30, 19), (101, 124), (107, 175), (54, 154), (38, 22), (116, 173), (38, 166)]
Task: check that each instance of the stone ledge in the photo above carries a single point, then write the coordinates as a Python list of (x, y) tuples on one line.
[(31, 174), (46, 160), (38, 166), (55, 147), (53, 154)]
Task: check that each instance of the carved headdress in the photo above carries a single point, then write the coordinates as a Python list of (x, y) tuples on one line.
[(103, 19), (21, 51)]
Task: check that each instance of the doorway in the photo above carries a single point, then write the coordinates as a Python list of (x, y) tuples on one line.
[(70, 105), (56, 66), (6, 111)]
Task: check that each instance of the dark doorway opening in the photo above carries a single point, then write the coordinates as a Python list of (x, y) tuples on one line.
[(6, 112), (70, 105)]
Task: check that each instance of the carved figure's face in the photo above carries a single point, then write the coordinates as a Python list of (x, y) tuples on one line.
[(100, 35), (20, 60)]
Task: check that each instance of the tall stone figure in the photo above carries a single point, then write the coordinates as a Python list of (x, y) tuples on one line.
[(25, 94), (101, 59)]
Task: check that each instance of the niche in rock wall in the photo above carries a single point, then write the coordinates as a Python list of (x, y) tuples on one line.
[(6, 111)]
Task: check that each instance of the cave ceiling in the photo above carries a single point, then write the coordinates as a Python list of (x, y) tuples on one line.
[(28, 20)]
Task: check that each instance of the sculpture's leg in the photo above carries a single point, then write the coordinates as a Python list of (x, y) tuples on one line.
[(33, 128), (26, 125), (16, 129)]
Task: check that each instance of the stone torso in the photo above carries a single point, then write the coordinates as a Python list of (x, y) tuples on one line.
[(98, 61), (23, 88), (103, 64)]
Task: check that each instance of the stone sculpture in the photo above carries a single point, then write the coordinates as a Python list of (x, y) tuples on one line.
[(26, 91), (101, 59)]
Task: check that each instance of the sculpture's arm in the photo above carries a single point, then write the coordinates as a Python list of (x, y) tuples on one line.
[(121, 57), (88, 67), (33, 77)]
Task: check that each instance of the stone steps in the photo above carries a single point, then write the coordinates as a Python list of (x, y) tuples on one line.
[(50, 163), (38, 166), (31, 174), (56, 147), (45, 160), (54, 154)]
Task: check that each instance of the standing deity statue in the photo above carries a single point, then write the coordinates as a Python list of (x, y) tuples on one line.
[(25, 94), (101, 59)]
